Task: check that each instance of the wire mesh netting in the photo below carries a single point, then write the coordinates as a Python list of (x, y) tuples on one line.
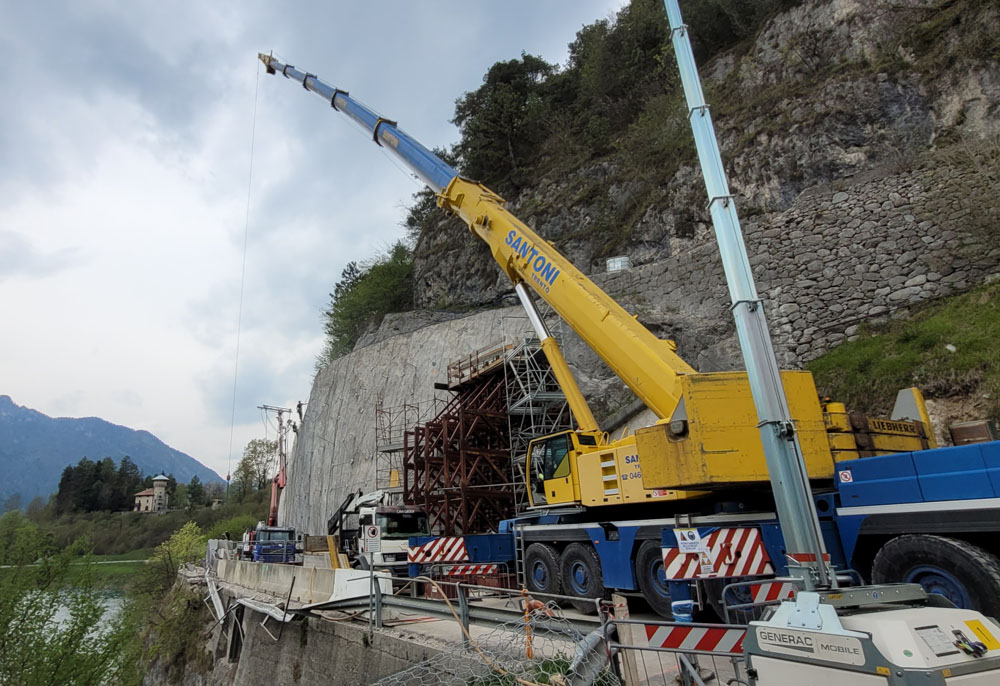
[(547, 651)]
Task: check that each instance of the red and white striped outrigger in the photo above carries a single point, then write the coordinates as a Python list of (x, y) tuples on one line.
[(729, 552), (444, 549)]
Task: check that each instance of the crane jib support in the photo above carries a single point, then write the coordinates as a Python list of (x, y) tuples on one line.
[(783, 454)]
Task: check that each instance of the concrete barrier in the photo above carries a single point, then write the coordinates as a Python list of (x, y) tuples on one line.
[(312, 584)]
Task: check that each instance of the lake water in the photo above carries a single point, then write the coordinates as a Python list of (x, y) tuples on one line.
[(111, 601)]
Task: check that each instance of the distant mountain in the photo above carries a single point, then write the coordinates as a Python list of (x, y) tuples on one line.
[(35, 448)]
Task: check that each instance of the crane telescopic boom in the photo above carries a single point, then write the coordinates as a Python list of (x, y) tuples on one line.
[(647, 364)]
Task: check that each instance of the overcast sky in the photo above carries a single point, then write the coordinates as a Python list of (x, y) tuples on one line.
[(124, 162)]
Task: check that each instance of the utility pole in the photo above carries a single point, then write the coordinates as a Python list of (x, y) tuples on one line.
[(278, 482)]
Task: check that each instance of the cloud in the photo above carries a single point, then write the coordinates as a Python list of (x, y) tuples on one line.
[(19, 257)]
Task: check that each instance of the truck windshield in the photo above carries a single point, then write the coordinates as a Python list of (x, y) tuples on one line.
[(403, 524), (275, 536)]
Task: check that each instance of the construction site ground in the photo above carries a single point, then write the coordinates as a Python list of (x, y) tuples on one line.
[(443, 635)]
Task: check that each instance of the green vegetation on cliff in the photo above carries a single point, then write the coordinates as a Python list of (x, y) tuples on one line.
[(950, 348), (587, 149), (365, 294)]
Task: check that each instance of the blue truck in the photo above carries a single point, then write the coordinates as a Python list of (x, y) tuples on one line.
[(929, 517), (269, 544)]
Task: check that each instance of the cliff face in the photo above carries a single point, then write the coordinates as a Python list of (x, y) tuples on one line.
[(826, 91), (864, 162), (335, 449)]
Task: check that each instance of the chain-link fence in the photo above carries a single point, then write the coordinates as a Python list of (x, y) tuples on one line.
[(539, 650)]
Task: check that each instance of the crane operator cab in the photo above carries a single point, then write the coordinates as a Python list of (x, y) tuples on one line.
[(551, 466)]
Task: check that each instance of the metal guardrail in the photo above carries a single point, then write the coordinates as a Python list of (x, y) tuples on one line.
[(465, 606)]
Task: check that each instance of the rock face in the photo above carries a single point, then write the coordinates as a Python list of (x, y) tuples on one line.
[(864, 247), (862, 193), (828, 90), (334, 453)]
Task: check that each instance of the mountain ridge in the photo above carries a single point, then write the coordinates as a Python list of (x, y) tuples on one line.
[(35, 448)]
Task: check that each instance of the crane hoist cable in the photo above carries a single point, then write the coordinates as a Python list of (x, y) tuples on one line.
[(243, 279)]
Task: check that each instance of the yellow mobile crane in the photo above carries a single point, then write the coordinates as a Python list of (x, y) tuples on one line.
[(707, 434)]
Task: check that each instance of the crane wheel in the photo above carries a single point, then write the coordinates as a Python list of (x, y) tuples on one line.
[(652, 582), (541, 569), (965, 574), (582, 577)]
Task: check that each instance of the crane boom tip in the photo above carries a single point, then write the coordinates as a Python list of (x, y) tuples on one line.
[(266, 59)]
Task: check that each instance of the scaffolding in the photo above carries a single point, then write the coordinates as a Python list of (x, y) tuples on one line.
[(536, 405), (457, 465), (462, 457), (391, 424)]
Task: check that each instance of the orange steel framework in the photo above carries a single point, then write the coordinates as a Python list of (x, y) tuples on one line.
[(458, 465)]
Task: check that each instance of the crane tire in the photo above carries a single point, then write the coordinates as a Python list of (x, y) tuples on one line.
[(964, 573), (649, 575), (582, 577), (541, 569)]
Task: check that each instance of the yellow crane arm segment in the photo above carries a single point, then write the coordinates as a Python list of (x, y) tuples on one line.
[(648, 365)]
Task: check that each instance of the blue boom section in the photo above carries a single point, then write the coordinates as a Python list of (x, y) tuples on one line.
[(425, 164)]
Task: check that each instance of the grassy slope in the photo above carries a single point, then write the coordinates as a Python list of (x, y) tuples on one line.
[(917, 350)]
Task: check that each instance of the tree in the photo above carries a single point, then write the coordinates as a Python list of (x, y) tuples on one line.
[(214, 490), (363, 296), (504, 122), (129, 482), (36, 509), (196, 492), (35, 646), (255, 467), (13, 502), (156, 577), (180, 497)]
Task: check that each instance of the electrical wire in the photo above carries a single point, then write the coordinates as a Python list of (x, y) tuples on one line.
[(243, 279)]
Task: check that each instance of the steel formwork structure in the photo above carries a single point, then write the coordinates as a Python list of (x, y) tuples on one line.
[(466, 465), (457, 465)]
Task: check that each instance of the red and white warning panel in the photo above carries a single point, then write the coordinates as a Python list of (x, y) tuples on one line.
[(444, 549), (690, 638), (769, 592), (470, 570), (726, 552)]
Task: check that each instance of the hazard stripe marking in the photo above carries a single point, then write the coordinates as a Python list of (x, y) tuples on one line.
[(468, 570), (700, 638), (444, 549), (771, 591), (732, 551)]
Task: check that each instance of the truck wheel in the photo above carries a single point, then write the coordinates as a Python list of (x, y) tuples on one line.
[(541, 569), (714, 591), (965, 574), (652, 581), (581, 576)]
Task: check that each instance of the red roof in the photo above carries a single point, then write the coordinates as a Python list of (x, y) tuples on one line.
[(148, 491)]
